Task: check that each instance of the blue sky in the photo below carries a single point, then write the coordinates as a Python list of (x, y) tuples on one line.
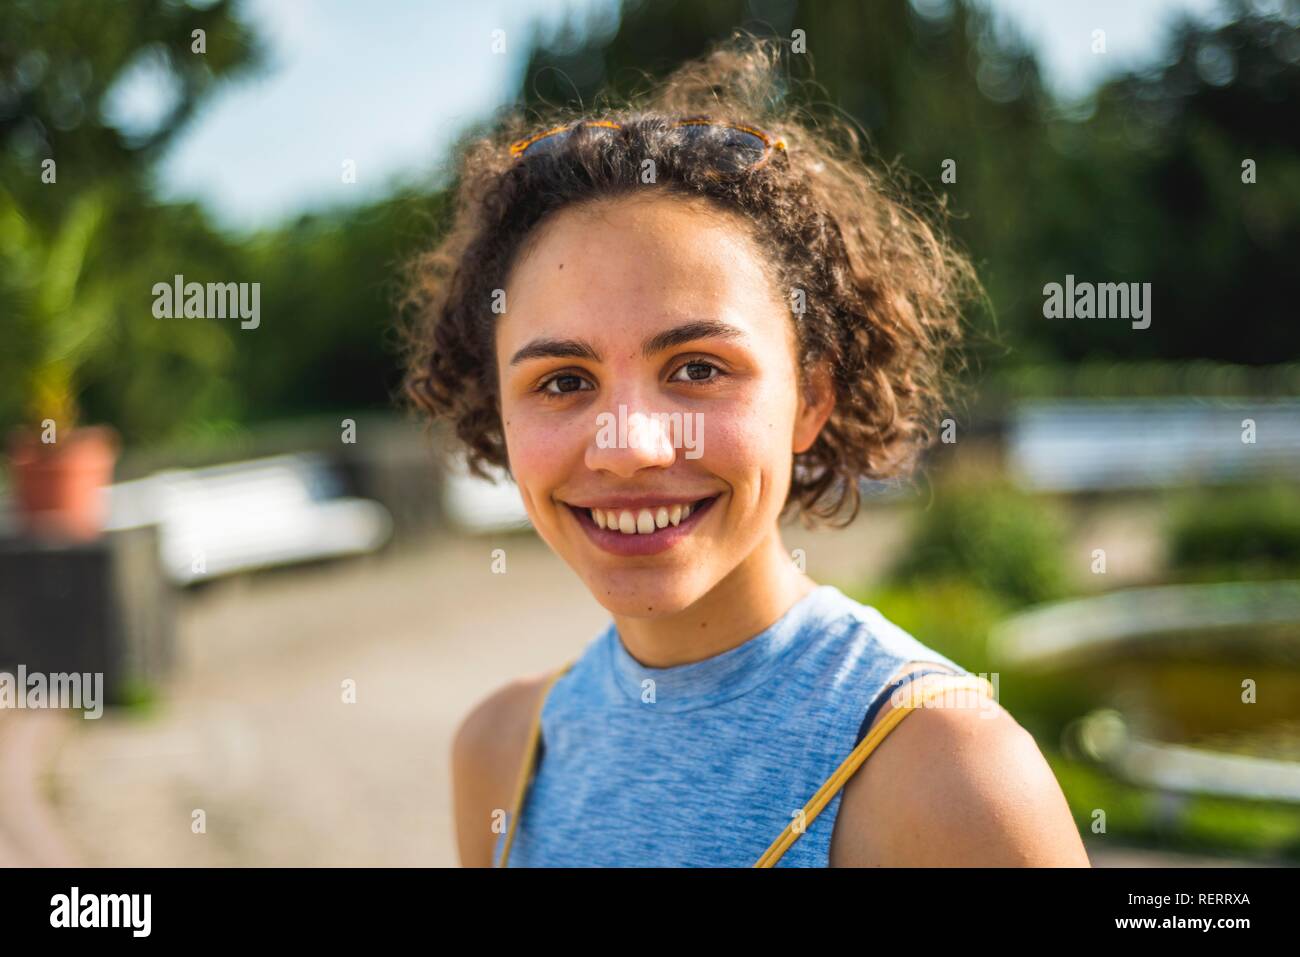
[(368, 82)]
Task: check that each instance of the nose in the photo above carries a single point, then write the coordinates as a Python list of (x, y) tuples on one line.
[(629, 438)]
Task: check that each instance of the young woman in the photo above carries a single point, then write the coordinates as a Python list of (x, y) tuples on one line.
[(743, 290)]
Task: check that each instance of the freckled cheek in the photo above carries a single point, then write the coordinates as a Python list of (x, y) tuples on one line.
[(543, 450), (745, 449)]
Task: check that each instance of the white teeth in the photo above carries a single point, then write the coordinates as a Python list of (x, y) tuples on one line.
[(643, 521)]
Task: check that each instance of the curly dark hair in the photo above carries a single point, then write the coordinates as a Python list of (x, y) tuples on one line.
[(884, 287)]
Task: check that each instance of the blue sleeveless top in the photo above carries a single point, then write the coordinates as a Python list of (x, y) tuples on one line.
[(704, 764)]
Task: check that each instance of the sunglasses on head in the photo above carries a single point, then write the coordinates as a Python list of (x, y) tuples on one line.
[(744, 147)]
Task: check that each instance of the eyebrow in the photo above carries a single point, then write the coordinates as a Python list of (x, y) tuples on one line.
[(676, 336)]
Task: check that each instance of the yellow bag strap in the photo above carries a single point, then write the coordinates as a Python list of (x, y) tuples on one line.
[(530, 758), (915, 699)]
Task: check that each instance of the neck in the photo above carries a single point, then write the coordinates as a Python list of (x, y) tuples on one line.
[(750, 599)]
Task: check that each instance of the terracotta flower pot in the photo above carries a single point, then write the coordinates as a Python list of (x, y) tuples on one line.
[(58, 487)]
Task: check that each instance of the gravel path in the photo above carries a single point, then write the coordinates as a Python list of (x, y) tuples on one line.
[(254, 731)]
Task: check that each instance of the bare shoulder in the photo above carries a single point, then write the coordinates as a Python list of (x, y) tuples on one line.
[(487, 752), (956, 787)]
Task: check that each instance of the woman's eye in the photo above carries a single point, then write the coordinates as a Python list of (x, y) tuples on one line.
[(563, 384), (696, 372)]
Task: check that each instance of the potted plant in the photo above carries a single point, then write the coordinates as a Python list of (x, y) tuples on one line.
[(58, 468)]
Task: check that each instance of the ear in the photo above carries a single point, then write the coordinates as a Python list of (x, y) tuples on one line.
[(815, 405)]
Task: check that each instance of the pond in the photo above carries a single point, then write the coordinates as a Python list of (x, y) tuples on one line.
[(1192, 688)]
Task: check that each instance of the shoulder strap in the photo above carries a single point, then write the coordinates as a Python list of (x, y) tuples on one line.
[(883, 698), (530, 758), (827, 791)]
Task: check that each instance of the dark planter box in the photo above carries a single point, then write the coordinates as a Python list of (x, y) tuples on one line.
[(100, 606)]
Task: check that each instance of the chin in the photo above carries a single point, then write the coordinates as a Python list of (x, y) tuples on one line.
[(647, 592)]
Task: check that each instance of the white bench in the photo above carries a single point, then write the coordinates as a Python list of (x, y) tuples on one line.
[(245, 515)]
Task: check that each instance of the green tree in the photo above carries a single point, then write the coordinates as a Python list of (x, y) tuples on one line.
[(1142, 183), (81, 244)]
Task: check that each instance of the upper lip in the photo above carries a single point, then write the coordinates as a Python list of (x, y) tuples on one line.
[(641, 501)]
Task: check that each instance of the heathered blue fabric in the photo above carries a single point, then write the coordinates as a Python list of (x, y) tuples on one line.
[(708, 765)]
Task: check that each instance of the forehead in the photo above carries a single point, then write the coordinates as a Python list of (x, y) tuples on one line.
[(642, 260)]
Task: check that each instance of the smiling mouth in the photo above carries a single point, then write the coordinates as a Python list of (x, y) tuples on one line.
[(642, 522)]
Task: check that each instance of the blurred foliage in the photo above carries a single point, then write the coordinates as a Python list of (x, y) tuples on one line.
[(79, 256), (89, 317), (1237, 532), (1152, 378), (1188, 824), (954, 616), (81, 243), (329, 283), (1141, 182), (990, 534), (59, 316), (138, 698), (950, 615), (61, 65)]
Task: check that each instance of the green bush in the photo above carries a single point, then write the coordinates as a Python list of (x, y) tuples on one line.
[(993, 535), (949, 615), (954, 617), (1197, 824), (1245, 532)]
